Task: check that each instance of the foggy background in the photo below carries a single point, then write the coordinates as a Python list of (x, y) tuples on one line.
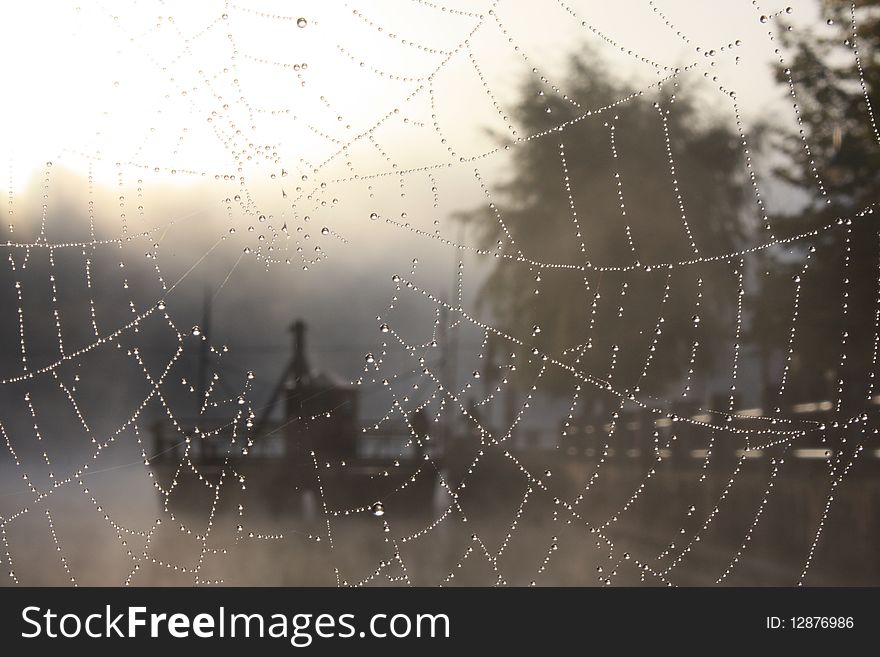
[(182, 183)]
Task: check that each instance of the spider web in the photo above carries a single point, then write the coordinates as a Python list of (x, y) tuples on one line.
[(322, 135)]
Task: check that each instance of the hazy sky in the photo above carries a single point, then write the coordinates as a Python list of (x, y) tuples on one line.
[(196, 120), (170, 84)]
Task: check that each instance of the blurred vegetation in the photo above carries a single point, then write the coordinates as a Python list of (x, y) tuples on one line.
[(838, 108), (578, 311)]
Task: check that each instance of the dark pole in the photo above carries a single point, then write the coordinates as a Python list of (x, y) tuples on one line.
[(202, 374), (299, 365)]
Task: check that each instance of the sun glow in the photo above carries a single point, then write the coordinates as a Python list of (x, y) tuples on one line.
[(179, 91)]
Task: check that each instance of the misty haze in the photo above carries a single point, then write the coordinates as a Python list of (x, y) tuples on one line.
[(403, 293)]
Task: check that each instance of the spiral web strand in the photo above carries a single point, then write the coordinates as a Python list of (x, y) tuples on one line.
[(288, 162)]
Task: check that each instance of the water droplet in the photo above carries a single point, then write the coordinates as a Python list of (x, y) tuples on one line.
[(374, 216), (370, 358), (301, 22), (377, 509), (384, 328), (196, 330)]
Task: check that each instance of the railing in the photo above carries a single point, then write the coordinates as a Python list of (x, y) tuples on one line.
[(695, 435)]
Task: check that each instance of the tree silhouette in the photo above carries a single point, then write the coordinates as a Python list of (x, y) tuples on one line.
[(651, 180), (835, 75)]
